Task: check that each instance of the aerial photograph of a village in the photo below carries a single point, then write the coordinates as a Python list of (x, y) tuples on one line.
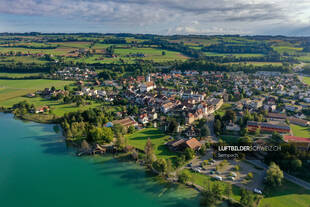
[(152, 103)]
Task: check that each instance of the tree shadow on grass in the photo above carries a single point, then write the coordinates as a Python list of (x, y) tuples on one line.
[(146, 137), (287, 188)]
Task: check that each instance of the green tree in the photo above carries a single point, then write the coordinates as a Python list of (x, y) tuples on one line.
[(172, 127), (160, 165), (101, 134), (203, 149), (96, 134), (274, 175), (107, 134), (244, 131), (217, 126), (247, 198), (295, 164), (184, 176), (250, 176), (121, 142), (131, 129), (276, 137), (230, 115), (217, 191), (205, 131), (119, 129), (207, 198), (149, 152), (189, 153), (228, 190)]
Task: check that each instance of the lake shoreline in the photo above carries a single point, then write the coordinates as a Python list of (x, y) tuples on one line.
[(120, 156), (47, 160)]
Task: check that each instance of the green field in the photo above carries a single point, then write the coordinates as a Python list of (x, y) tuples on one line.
[(300, 131), (288, 49), (15, 88), (305, 57), (288, 195), (306, 80), (22, 59), (233, 54), (202, 180), (125, 54), (158, 139), (70, 49), (57, 107), (80, 45), (18, 75), (258, 63)]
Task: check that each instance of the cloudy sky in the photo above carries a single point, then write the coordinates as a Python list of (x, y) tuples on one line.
[(283, 17)]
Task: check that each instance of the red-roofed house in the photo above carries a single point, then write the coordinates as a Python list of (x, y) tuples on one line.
[(193, 143), (301, 143)]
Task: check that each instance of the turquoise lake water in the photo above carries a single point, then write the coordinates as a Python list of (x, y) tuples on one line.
[(37, 169)]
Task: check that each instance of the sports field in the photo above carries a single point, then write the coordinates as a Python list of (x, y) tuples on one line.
[(300, 131)]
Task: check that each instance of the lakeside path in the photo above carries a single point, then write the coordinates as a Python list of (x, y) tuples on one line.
[(287, 176)]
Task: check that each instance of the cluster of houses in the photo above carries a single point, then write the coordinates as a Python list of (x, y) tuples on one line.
[(75, 73), (186, 103)]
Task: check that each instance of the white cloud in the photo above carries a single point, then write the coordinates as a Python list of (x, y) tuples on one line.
[(183, 16)]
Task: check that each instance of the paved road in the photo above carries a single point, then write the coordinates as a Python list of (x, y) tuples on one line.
[(287, 176), (210, 124)]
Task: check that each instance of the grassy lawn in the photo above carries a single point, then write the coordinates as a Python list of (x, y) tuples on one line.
[(230, 138), (202, 180), (306, 80), (224, 107), (15, 88), (288, 195), (300, 131), (158, 138)]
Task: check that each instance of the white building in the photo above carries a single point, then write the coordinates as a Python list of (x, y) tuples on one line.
[(147, 86)]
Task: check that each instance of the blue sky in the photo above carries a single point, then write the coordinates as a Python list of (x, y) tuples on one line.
[(283, 17)]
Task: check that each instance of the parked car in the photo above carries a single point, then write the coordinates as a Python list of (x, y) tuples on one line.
[(219, 178), (232, 178), (233, 174), (198, 169), (257, 191)]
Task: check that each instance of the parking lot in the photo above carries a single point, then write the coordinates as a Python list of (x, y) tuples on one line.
[(226, 171)]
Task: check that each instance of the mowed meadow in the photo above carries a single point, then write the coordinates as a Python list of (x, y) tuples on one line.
[(69, 51), (306, 80), (10, 89)]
